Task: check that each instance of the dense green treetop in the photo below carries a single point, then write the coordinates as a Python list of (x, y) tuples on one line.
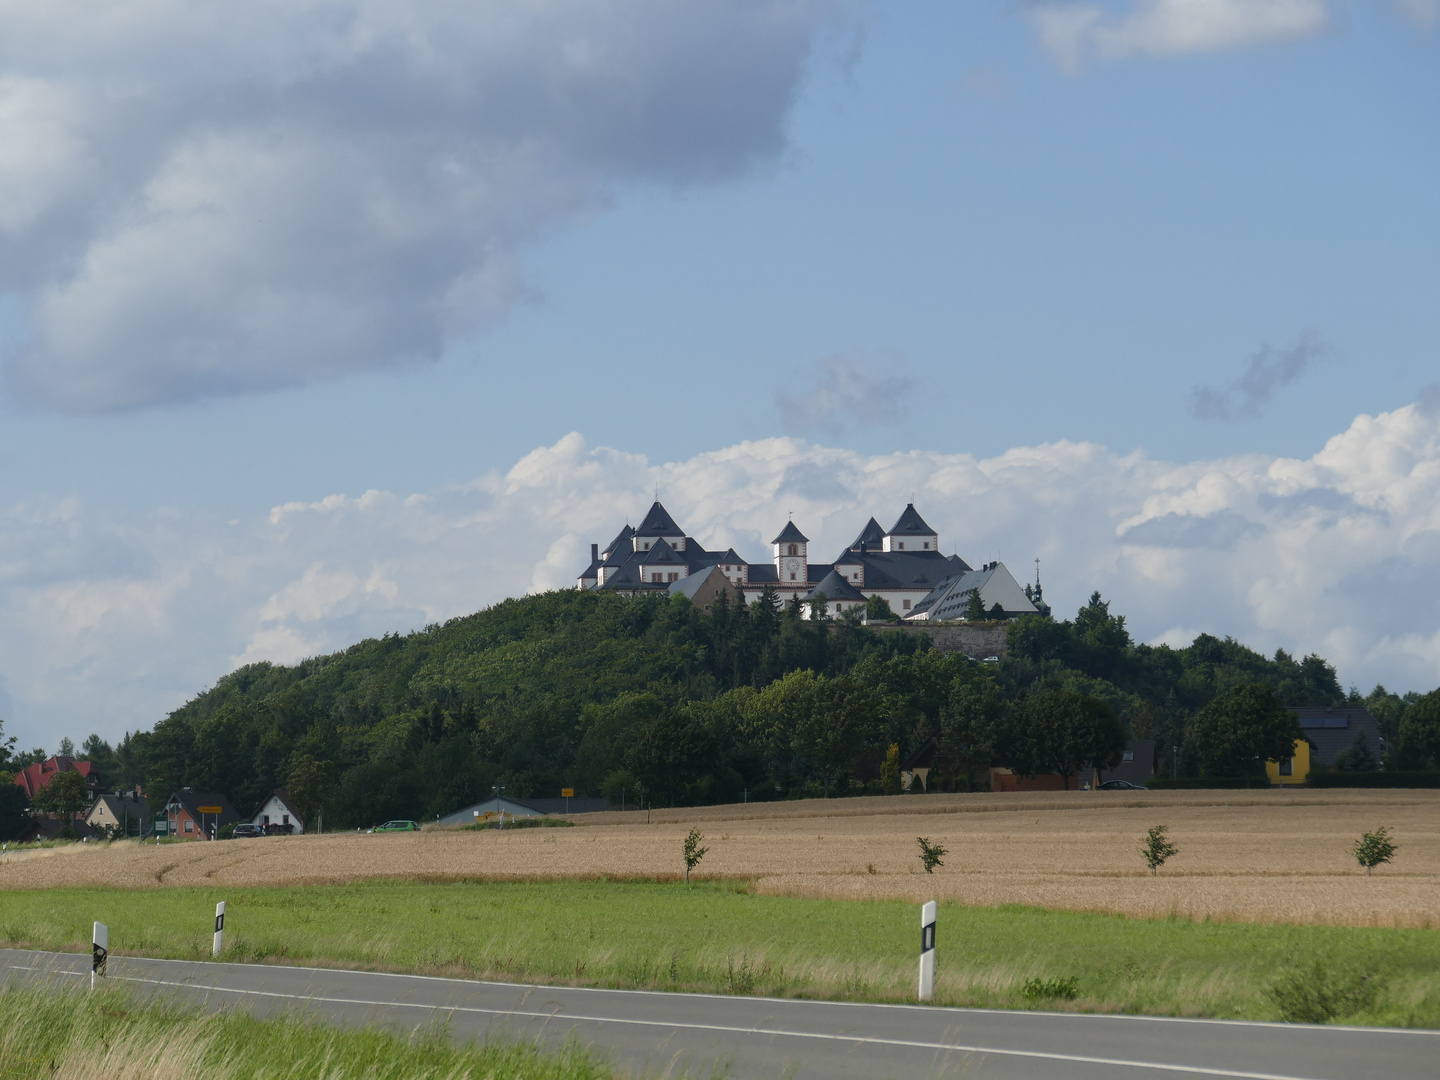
[(603, 693)]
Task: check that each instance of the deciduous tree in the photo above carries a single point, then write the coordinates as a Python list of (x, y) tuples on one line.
[(1061, 731), (1240, 730)]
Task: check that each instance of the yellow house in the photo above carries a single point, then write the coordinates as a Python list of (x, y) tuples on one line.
[(1292, 770)]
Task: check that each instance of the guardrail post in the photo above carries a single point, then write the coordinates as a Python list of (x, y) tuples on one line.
[(219, 942), (927, 951), (99, 952)]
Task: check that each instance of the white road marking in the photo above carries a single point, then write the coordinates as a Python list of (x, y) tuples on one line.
[(915, 1044)]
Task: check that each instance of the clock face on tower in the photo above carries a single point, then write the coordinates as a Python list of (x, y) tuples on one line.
[(792, 569)]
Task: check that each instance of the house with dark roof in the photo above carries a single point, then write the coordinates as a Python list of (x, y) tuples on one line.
[(1329, 729), (904, 565), (278, 816), (198, 815)]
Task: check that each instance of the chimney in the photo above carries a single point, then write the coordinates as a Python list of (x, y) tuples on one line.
[(594, 553)]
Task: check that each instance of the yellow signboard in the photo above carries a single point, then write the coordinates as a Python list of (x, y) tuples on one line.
[(210, 809), (567, 792)]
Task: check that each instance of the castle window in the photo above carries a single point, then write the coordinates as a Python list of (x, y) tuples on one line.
[(792, 575), (926, 545), (794, 550), (905, 604)]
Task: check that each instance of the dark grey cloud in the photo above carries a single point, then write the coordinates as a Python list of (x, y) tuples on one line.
[(843, 392), (1269, 370), (199, 200)]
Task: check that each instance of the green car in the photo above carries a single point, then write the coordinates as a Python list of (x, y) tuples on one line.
[(397, 826)]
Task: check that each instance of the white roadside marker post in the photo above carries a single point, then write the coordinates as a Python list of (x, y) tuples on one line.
[(99, 952), (219, 942), (927, 951)]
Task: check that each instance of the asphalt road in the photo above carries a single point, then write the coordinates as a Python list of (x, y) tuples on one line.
[(742, 1037)]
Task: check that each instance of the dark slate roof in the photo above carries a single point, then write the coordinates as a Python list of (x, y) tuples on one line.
[(621, 541), (760, 573), (730, 558), (790, 535), (658, 522), (663, 554), (193, 800), (910, 524), (871, 536), (835, 587), (627, 577), (905, 569), (1331, 728)]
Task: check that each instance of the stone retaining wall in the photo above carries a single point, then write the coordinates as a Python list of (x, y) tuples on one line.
[(977, 639)]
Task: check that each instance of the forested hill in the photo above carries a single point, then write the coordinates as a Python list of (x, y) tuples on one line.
[(596, 692)]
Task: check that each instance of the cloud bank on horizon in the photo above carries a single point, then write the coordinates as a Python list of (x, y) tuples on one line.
[(108, 622), (200, 200)]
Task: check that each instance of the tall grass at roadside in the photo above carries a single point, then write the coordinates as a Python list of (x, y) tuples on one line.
[(717, 937), (69, 1035)]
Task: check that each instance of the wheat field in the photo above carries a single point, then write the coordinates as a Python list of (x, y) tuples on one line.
[(1255, 856)]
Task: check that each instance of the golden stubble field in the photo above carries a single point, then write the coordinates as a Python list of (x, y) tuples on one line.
[(1260, 856)]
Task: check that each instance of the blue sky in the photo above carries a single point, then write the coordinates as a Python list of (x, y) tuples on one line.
[(1188, 231)]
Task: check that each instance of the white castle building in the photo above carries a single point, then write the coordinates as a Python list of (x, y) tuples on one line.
[(903, 565)]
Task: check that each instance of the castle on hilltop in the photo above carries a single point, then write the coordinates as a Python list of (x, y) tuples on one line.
[(904, 566)]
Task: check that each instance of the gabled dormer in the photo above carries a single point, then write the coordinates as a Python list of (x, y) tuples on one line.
[(661, 565), (658, 525), (911, 534)]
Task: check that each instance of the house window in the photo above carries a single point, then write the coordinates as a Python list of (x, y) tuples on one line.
[(189, 825), (284, 819), (264, 819), (1129, 755), (905, 604), (1287, 767)]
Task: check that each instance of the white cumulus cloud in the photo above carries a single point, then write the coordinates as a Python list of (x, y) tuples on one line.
[(202, 199), (107, 622), (1076, 32)]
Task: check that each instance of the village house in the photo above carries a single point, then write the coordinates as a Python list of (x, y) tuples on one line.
[(198, 815), (276, 815), (33, 778)]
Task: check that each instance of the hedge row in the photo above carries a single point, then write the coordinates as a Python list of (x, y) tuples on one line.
[(1374, 779)]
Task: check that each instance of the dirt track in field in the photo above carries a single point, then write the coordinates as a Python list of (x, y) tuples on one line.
[(1261, 856)]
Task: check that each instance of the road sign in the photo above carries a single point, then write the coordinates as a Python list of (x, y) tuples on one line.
[(210, 809), (567, 792)]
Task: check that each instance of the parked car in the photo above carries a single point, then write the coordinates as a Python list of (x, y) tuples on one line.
[(398, 825), (1121, 785), (246, 829)]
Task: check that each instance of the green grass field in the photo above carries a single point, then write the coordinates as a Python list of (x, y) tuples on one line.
[(718, 937), (105, 1036)]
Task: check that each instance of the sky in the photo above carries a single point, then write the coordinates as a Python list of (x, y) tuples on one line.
[(331, 318)]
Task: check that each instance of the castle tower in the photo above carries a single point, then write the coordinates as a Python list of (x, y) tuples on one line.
[(792, 556)]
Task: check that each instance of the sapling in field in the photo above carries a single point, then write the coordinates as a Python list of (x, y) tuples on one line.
[(1374, 848), (930, 854), (1157, 849), (693, 852)]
